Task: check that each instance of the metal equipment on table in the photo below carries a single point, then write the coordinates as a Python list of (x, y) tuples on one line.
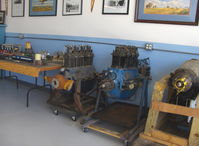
[(8, 50), (75, 83), (174, 114), (119, 87), (15, 53)]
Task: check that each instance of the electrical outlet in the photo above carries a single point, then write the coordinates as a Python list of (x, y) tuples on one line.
[(21, 36), (148, 46)]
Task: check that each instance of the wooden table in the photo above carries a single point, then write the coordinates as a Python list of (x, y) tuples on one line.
[(29, 70)]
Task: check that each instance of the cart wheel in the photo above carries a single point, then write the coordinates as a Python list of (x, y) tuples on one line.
[(126, 142), (85, 130), (56, 112), (74, 118), (83, 121)]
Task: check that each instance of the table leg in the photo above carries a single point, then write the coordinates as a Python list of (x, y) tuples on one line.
[(44, 81), (9, 76), (32, 88), (37, 87), (1, 73), (16, 78), (36, 81)]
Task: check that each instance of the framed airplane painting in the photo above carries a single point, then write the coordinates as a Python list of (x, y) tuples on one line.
[(43, 8), (167, 11)]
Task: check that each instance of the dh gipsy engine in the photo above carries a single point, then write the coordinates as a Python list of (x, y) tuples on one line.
[(122, 78)]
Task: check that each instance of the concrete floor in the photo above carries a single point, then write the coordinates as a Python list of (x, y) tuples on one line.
[(37, 125)]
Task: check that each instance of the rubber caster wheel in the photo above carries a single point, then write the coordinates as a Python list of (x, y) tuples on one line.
[(85, 130), (56, 112), (83, 121), (126, 142), (74, 118)]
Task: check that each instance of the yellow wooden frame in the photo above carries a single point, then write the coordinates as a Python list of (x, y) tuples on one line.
[(157, 106)]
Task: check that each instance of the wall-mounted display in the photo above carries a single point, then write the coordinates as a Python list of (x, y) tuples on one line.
[(18, 8), (2, 17), (115, 7), (4, 6), (167, 11), (72, 7), (43, 7)]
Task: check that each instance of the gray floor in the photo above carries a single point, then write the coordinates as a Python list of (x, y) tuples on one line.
[(36, 125)]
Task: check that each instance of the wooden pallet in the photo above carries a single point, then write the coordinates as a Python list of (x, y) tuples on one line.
[(151, 129)]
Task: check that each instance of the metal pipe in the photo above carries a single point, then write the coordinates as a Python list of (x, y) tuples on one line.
[(171, 51), (103, 43)]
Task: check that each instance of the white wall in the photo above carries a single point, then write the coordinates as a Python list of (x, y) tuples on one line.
[(3, 5), (106, 26)]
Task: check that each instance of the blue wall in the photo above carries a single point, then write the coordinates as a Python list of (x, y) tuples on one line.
[(2, 33), (162, 62)]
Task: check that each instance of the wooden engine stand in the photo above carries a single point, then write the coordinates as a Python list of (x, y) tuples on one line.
[(151, 129)]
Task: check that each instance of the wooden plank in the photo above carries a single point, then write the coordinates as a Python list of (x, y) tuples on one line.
[(165, 138), (169, 138), (144, 142), (105, 131), (194, 133), (175, 109), (26, 69), (158, 94), (50, 67), (146, 137)]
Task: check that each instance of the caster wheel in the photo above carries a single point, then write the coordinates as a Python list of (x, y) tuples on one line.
[(126, 142), (85, 130), (74, 118), (83, 121), (56, 112)]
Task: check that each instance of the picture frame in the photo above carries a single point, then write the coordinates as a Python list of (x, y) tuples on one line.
[(2, 17), (72, 7), (118, 7), (18, 8), (184, 12), (42, 7)]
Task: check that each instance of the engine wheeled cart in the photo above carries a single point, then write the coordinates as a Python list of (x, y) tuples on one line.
[(76, 102), (75, 82), (121, 119)]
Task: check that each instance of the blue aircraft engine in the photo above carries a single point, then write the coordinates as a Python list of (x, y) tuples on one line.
[(122, 79)]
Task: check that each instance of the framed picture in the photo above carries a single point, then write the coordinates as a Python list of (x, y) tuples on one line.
[(18, 8), (115, 7), (72, 7), (183, 12), (43, 8), (2, 17)]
